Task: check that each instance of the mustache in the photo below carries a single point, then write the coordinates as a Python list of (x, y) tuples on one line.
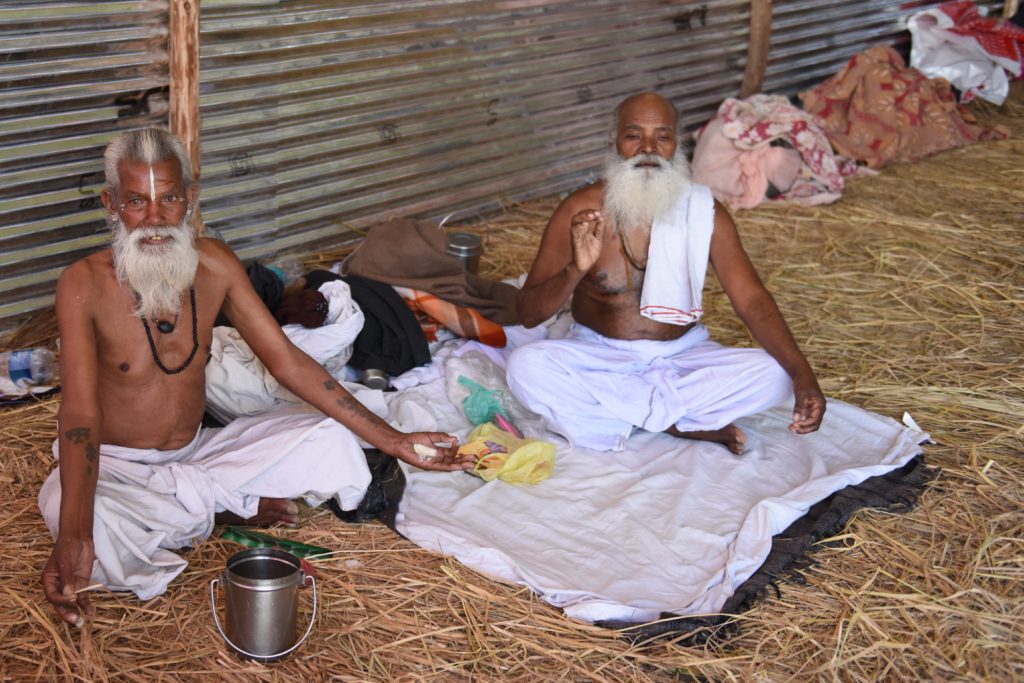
[(167, 231), (648, 160)]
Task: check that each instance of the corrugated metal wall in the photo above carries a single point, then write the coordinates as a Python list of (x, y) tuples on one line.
[(812, 39), (317, 115), (71, 75), (321, 115)]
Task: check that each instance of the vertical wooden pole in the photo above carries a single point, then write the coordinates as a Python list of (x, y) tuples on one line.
[(183, 57), (757, 47), (1010, 8)]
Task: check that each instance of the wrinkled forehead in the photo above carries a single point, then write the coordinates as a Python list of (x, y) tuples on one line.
[(647, 112), (140, 177)]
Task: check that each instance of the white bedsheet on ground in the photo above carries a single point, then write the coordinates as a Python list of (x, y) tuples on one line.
[(666, 525)]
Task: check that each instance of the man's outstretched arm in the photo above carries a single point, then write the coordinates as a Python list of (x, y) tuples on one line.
[(305, 378), (79, 423), (756, 307)]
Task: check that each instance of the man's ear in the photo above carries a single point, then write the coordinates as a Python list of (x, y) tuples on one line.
[(192, 194), (108, 200)]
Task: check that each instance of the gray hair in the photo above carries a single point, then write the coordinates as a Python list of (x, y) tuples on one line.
[(147, 146)]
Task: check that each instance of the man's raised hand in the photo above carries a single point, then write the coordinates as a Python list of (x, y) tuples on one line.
[(587, 231)]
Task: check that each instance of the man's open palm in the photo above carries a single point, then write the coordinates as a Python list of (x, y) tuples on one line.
[(587, 232)]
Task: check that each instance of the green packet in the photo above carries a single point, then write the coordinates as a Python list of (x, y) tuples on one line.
[(255, 539)]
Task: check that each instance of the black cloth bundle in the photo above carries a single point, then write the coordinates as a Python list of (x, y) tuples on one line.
[(391, 339)]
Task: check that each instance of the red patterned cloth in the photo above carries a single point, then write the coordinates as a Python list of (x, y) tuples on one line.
[(878, 110), (978, 55), (998, 37)]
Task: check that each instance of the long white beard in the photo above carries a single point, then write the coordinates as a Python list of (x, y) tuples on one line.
[(158, 274), (634, 197)]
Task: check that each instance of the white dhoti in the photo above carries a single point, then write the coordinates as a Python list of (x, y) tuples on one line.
[(595, 390), (150, 501)]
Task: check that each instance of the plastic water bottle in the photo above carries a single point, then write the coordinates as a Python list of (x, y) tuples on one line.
[(26, 367)]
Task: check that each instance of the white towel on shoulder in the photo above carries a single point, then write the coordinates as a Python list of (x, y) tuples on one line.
[(677, 259)]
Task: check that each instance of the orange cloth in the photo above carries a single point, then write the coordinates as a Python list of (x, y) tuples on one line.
[(463, 321), (878, 110)]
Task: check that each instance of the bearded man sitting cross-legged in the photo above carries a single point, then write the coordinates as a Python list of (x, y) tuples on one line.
[(632, 252), (137, 475)]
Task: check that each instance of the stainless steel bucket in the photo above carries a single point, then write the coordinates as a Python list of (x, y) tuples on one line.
[(467, 246), (261, 588)]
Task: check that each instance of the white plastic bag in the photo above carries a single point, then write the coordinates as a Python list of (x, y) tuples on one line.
[(937, 52)]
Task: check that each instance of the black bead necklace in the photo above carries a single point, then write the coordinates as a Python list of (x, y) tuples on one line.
[(195, 337)]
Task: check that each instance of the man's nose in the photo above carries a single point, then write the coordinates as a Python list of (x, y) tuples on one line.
[(648, 144), (153, 215)]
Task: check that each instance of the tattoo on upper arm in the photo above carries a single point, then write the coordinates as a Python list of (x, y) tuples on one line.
[(78, 435), (91, 452), (330, 385)]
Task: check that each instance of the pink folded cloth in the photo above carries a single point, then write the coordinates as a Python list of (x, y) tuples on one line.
[(735, 156)]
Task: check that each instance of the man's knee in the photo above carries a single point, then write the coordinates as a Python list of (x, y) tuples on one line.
[(529, 371), (527, 361), (772, 381), (49, 501)]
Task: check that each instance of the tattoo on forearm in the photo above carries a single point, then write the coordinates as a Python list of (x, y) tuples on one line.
[(358, 410), (78, 435), (83, 436), (330, 385)]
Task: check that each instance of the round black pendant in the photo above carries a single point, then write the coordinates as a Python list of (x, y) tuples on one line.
[(164, 326)]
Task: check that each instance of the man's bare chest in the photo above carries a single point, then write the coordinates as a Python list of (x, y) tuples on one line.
[(132, 351), (619, 270)]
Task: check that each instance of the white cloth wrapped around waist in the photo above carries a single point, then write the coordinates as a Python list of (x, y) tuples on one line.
[(595, 390), (150, 501)]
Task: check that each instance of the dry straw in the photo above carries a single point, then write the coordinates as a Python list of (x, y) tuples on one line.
[(907, 295)]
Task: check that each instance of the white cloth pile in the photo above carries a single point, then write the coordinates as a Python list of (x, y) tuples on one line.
[(976, 54), (238, 384)]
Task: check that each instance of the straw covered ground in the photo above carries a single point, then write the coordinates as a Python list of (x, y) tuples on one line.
[(907, 295)]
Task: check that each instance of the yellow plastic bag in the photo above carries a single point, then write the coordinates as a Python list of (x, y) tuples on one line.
[(501, 455)]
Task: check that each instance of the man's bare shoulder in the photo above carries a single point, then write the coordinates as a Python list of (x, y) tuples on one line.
[(216, 249), (88, 272), (217, 257), (586, 197)]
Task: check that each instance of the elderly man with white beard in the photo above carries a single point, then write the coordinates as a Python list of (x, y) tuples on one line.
[(137, 476), (632, 252)]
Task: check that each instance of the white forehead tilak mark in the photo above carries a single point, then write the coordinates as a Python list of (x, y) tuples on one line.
[(152, 186)]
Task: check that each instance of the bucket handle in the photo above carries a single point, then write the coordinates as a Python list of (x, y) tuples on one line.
[(216, 620)]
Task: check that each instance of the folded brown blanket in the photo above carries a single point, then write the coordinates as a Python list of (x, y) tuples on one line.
[(413, 254)]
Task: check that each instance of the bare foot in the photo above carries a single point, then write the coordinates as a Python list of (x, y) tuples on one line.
[(270, 511), (730, 436)]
